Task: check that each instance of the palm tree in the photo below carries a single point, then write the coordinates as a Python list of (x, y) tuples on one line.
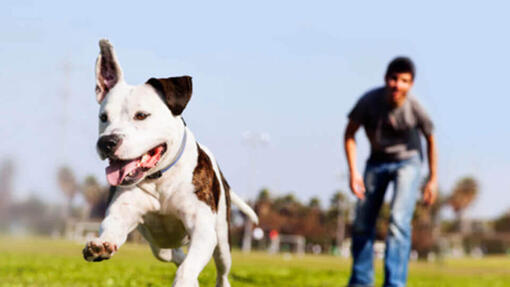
[(68, 185), (314, 203), (338, 203), (463, 195), (91, 190)]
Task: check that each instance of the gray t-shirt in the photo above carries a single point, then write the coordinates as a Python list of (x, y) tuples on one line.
[(393, 132)]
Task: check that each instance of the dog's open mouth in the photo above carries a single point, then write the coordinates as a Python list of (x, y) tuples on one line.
[(126, 172)]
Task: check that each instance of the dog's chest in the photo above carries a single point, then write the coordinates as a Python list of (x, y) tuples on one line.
[(166, 231)]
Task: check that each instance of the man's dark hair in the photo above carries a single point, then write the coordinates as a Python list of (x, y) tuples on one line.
[(401, 65)]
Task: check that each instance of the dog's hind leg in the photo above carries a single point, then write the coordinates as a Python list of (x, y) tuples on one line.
[(174, 255), (163, 254), (178, 256), (222, 258)]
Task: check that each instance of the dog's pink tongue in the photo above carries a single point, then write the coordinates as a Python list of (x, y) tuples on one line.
[(117, 171), (153, 160)]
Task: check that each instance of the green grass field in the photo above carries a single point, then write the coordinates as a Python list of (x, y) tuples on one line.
[(49, 262)]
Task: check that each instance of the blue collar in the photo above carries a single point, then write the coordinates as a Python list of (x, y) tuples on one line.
[(159, 173)]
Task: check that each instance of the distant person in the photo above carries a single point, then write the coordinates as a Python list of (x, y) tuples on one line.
[(393, 121)]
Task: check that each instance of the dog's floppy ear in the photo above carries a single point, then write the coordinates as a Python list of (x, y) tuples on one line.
[(108, 71), (176, 91)]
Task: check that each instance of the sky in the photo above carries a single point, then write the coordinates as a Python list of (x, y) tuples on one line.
[(289, 70)]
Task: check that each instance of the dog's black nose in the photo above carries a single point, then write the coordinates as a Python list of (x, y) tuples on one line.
[(107, 145)]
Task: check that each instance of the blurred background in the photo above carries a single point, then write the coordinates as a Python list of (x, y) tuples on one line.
[(273, 83)]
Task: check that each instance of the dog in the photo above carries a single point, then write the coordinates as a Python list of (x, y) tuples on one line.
[(163, 182)]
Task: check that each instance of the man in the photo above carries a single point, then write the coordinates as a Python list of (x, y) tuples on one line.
[(393, 121)]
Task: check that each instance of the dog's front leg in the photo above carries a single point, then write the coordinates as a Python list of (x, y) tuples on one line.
[(203, 241), (122, 216)]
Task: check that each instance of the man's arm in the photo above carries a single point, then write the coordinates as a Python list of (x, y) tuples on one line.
[(430, 190), (355, 179)]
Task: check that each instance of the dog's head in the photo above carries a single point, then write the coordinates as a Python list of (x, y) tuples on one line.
[(140, 127)]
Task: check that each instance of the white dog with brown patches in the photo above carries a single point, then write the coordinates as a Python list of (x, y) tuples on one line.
[(166, 184)]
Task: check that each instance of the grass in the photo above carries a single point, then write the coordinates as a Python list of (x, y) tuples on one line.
[(51, 262)]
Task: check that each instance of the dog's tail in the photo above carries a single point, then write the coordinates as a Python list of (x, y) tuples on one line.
[(244, 207)]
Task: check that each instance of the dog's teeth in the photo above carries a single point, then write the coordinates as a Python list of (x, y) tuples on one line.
[(145, 157)]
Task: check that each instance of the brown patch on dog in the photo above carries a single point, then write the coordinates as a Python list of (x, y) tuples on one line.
[(176, 91), (226, 187), (207, 185)]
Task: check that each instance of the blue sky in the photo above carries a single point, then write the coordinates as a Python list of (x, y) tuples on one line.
[(290, 69)]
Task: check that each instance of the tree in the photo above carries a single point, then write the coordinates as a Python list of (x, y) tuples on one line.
[(91, 190), (463, 195), (314, 203), (502, 223), (426, 226), (338, 204), (68, 185), (96, 197), (264, 195)]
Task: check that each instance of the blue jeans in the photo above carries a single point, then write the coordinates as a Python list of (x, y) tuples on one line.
[(405, 176)]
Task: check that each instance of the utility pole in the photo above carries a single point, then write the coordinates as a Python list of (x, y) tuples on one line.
[(65, 177), (65, 94), (340, 228), (341, 206), (253, 140), (6, 186)]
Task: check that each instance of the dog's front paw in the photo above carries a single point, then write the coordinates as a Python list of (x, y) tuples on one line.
[(97, 250)]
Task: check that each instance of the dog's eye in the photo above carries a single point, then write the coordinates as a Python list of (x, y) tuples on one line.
[(103, 117), (141, 116)]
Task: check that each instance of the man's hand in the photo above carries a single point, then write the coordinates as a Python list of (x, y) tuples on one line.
[(430, 192), (356, 180), (357, 185)]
